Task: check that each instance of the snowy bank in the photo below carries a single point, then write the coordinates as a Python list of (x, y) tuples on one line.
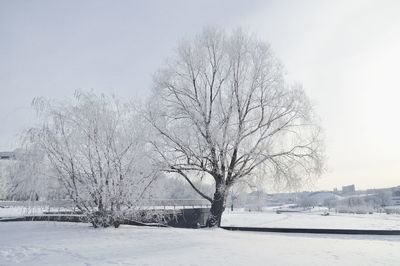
[(49, 243), (380, 221)]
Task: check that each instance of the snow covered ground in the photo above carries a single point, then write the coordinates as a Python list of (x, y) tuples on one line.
[(50, 243), (22, 211), (312, 219), (269, 218)]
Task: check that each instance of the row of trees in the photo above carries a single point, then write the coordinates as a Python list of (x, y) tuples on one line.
[(221, 113), (373, 202)]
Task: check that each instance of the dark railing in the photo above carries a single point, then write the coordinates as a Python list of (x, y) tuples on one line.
[(145, 202), (314, 230)]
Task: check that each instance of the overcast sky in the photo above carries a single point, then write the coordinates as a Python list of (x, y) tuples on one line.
[(345, 53)]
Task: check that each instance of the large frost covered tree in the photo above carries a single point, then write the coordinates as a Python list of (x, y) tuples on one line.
[(96, 147), (222, 109)]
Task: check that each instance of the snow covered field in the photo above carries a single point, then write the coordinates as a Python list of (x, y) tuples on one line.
[(23, 211), (269, 218), (312, 220), (49, 243)]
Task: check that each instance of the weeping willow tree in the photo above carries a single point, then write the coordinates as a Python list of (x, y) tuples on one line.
[(97, 149)]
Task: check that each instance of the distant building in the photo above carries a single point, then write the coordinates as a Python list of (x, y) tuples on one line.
[(349, 189), (396, 197), (395, 201), (7, 155)]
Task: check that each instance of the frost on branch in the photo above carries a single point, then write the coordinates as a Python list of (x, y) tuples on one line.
[(222, 109), (96, 148)]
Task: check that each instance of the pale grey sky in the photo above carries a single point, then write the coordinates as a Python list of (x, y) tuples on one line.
[(346, 54)]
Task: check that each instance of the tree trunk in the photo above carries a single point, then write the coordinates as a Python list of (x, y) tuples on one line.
[(217, 208)]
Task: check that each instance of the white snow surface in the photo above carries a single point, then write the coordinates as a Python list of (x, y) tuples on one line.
[(51, 243), (269, 218), (19, 211), (312, 219)]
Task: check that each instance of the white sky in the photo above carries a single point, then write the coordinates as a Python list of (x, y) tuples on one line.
[(346, 54)]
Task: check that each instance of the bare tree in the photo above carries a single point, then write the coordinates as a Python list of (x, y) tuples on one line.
[(330, 202), (96, 147), (5, 182), (237, 193), (222, 109), (28, 176)]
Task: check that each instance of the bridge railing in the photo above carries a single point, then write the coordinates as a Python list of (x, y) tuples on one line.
[(177, 203), (147, 203)]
